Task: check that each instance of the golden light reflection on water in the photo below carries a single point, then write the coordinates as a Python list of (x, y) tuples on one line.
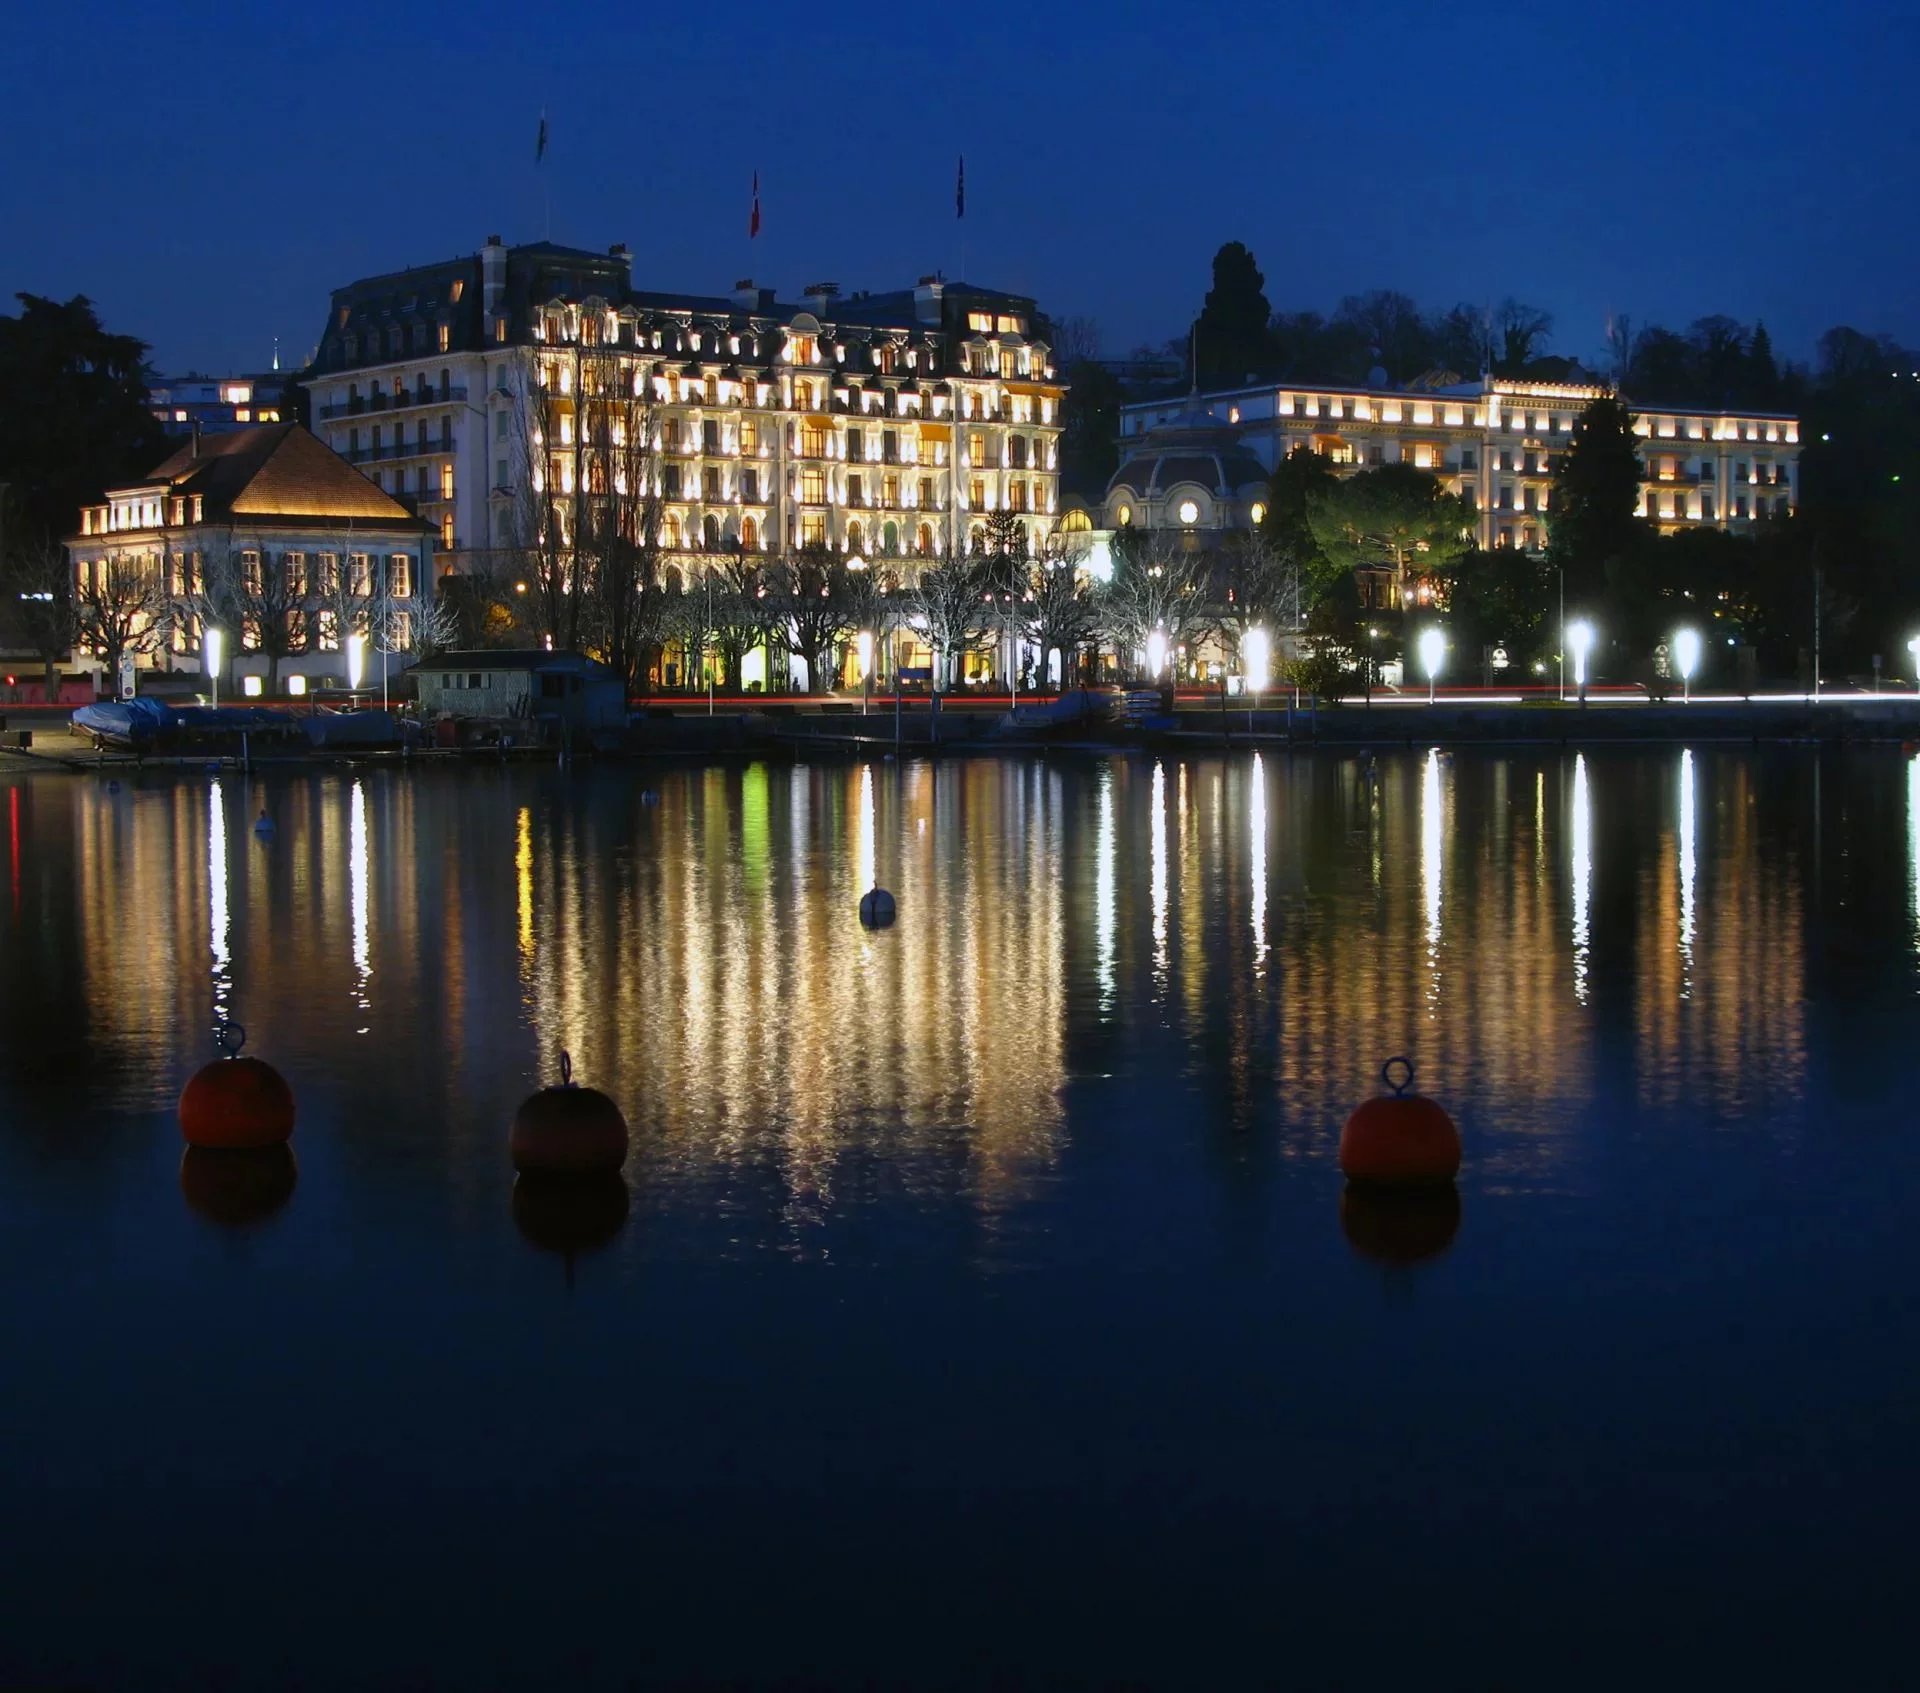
[(1267, 929)]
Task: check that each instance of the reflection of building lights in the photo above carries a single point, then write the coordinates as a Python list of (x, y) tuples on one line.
[(1582, 873), (357, 866), (1687, 871)]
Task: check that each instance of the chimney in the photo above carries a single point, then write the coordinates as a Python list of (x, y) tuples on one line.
[(821, 295), (493, 282), (745, 295), (926, 299)]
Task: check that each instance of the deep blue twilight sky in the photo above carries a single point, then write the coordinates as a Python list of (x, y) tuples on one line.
[(207, 174)]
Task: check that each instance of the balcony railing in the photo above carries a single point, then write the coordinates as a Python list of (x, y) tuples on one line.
[(361, 404), (396, 450)]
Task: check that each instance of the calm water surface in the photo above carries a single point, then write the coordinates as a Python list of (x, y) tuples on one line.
[(985, 1308)]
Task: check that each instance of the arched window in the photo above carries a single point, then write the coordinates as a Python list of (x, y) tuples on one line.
[(710, 532), (855, 537), (923, 540), (670, 530), (890, 540), (1078, 523), (749, 534), (977, 538)]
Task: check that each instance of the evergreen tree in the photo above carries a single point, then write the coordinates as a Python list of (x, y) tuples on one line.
[(1596, 487), (1232, 328)]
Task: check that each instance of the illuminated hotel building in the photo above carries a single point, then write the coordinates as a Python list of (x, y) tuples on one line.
[(1493, 442), (872, 424)]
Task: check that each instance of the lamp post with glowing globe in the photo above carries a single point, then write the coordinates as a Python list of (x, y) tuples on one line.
[(211, 646), (1686, 659), (1256, 656), (1433, 654)]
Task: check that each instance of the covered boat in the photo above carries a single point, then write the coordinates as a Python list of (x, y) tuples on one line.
[(136, 723)]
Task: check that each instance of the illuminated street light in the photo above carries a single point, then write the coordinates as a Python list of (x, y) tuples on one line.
[(1686, 655), (210, 647), (1580, 643), (1433, 654), (1256, 659), (1156, 654), (863, 654), (356, 661), (1913, 647)]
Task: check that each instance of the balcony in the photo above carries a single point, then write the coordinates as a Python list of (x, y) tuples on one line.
[(364, 404), (395, 450)]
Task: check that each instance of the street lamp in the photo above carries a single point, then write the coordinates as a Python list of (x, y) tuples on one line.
[(1686, 655), (1913, 647), (356, 661), (1156, 653), (863, 650), (1373, 637), (1433, 654), (1580, 643), (1256, 657), (210, 647)]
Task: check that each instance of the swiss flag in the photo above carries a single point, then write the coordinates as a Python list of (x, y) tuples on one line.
[(753, 223)]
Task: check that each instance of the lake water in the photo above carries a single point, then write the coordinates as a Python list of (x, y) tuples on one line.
[(985, 1307)]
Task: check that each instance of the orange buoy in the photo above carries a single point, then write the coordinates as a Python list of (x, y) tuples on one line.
[(1399, 1139), (569, 1130), (238, 1187), (236, 1103)]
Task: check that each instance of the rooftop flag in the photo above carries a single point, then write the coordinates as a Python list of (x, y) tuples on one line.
[(960, 189), (753, 223), (540, 145)]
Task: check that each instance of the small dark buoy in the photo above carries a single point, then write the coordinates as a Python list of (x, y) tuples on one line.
[(569, 1130), (649, 797), (1400, 1225), (237, 1187), (876, 908), (113, 787), (265, 825), (1399, 1139), (236, 1102)]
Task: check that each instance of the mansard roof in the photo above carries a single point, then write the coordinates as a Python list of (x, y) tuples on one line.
[(276, 475)]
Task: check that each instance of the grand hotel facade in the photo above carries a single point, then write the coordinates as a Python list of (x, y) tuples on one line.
[(873, 424)]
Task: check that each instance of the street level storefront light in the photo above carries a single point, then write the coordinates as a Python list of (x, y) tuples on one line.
[(1686, 658)]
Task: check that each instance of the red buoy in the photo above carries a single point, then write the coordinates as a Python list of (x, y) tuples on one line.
[(235, 1103), (1399, 1139), (569, 1130)]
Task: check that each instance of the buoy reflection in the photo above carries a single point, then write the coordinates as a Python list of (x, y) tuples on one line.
[(1687, 869), (238, 1187), (1582, 874), (570, 1215), (1400, 1225), (1913, 840)]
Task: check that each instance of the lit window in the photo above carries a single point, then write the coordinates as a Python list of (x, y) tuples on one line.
[(237, 393), (1258, 513), (446, 337), (446, 482), (1123, 517), (1189, 512), (242, 415)]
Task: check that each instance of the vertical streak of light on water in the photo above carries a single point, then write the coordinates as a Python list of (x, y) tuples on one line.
[(1913, 841), (1103, 888), (866, 872), (1160, 874), (1582, 873), (357, 892), (523, 885), (1257, 847), (218, 914), (1687, 872), (1431, 849)]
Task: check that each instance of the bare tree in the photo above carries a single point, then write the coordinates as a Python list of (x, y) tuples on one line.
[(1076, 340), (619, 575), (121, 606), (544, 514), (1156, 588), (1059, 612), (809, 606), (951, 600), (1259, 582), (38, 584)]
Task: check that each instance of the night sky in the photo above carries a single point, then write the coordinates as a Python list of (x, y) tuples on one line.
[(207, 176)]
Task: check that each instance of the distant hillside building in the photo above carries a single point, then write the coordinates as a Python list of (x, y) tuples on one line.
[(501, 395), (1185, 462), (218, 405), (269, 534)]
